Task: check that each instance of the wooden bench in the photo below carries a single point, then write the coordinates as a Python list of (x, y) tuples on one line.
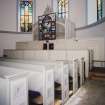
[(52, 55), (60, 74), (41, 79), (13, 86)]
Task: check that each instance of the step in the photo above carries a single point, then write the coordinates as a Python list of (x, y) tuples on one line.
[(38, 100), (58, 102), (98, 74), (70, 93), (97, 78)]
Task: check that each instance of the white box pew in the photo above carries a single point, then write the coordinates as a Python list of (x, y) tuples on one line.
[(54, 55), (77, 72), (69, 55), (41, 79), (75, 68), (73, 73), (82, 71), (70, 62), (51, 55), (78, 54), (18, 54), (13, 86), (60, 55), (60, 73), (91, 57)]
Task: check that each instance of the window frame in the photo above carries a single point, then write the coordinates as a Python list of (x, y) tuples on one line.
[(18, 16), (65, 12), (102, 10)]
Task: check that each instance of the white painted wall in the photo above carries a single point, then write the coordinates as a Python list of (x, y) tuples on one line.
[(8, 20), (88, 38), (92, 32), (92, 11), (96, 44), (8, 13), (41, 6), (78, 12)]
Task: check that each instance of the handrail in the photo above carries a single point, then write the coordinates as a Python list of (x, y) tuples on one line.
[(91, 25), (98, 61), (101, 62)]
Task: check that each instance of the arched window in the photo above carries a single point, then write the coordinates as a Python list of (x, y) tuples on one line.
[(99, 9), (25, 15), (62, 8)]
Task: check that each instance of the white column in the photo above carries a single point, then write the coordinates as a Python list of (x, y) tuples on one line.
[(69, 29)]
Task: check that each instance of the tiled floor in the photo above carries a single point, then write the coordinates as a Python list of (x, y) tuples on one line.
[(92, 93)]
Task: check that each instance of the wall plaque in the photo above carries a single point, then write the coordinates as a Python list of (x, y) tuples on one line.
[(47, 27)]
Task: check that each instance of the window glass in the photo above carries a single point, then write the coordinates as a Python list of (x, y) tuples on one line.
[(25, 15)]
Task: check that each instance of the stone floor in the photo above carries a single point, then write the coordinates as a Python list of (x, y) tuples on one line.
[(92, 93)]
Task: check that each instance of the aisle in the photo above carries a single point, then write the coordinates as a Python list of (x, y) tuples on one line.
[(92, 93)]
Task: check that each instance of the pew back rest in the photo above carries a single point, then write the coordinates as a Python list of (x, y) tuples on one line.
[(12, 80), (57, 66), (36, 77), (10, 72), (61, 73), (51, 55)]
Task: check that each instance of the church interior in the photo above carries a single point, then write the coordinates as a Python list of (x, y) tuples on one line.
[(52, 52)]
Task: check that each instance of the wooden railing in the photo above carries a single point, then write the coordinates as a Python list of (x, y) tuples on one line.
[(99, 63)]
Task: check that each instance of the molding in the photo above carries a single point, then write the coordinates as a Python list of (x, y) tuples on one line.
[(14, 32), (77, 29), (91, 25)]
